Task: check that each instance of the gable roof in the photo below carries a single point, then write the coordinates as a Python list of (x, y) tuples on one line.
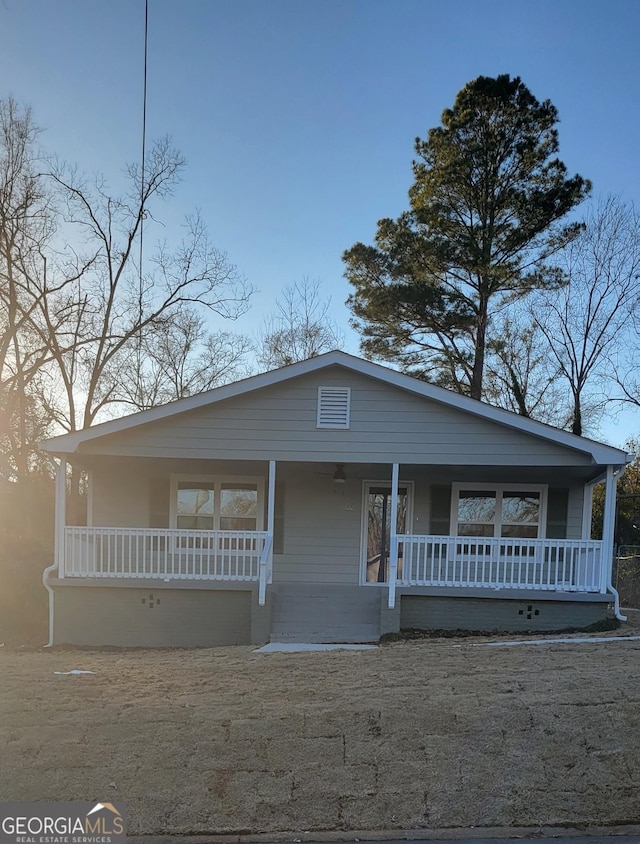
[(601, 454)]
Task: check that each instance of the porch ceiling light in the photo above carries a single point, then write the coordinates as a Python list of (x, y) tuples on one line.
[(339, 476)]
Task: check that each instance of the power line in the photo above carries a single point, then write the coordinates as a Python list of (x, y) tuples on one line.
[(144, 136)]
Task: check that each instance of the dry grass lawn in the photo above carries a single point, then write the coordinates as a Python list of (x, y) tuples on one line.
[(436, 733)]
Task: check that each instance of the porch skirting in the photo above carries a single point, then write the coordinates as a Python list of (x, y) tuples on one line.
[(151, 616), (160, 614), (521, 614)]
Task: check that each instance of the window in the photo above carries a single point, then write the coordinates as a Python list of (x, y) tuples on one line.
[(239, 507), (195, 506), (334, 407), (510, 510), (201, 503)]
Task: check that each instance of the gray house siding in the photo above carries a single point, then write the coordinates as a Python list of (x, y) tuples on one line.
[(574, 512), (279, 422), (321, 532), (120, 496)]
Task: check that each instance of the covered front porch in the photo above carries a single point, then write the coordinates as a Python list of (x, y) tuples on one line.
[(353, 524)]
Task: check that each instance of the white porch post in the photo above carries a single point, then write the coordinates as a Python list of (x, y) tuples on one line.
[(266, 565), (393, 545), (608, 528), (271, 503), (60, 516)]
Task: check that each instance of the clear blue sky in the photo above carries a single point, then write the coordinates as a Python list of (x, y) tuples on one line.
[(297, 117)]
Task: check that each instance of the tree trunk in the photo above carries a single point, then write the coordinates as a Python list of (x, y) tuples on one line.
[(478, 360), (518, 394), (576, 422)]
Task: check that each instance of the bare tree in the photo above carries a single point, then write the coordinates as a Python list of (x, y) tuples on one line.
[(115, 305), (300, 328), (585, 322), (520, 375), (82, 329), (179, 359), (26, 226)]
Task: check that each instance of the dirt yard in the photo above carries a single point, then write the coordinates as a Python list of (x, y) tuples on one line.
[(426, 734)]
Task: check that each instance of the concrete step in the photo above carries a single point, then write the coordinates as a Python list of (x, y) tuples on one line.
[(320, 613)]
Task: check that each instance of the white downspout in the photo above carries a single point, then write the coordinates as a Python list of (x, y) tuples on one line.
[(616, 601), (58, 545), (45, 583)]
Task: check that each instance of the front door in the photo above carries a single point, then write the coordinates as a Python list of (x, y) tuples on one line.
[(378, 529)]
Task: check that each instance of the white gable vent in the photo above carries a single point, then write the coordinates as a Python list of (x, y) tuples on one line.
[(334, 404)]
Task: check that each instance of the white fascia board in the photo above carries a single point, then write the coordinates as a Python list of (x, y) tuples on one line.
[(601, 454)]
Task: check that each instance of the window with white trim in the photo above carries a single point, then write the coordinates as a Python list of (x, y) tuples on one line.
[(517, 511), (334, 407), (217, 503)]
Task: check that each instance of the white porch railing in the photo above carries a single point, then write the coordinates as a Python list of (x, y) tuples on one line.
[(556, 565), (167, 554)]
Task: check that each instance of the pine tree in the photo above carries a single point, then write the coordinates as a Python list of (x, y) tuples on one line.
[(482, 228)]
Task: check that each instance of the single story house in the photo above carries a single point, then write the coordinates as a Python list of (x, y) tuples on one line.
[(332, 500)]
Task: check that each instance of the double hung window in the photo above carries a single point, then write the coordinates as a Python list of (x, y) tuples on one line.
[(509, 511), (212, 503)]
